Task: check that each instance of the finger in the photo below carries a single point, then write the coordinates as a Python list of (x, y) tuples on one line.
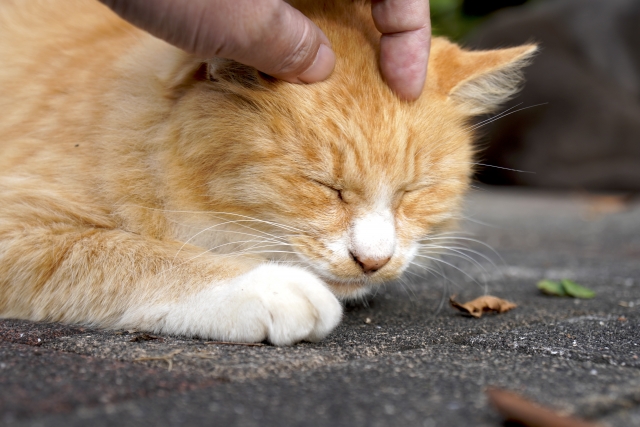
[(282, 42), (403, 62), (404, 46), (267, 34)]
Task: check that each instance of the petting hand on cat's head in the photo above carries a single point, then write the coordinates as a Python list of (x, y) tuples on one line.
[(404, 47), (278, 40)]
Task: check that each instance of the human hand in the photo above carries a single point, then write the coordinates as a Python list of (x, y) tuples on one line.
[(278, 40), (404, 46)]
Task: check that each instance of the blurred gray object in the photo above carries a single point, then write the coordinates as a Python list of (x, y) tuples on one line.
[(588, 72)]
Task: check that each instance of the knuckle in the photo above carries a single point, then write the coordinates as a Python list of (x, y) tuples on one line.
[(295, 43)]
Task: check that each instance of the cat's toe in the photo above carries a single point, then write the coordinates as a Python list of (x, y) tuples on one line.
[(299, 305)]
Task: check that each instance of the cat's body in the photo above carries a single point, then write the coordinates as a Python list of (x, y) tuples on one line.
[(143, 188)]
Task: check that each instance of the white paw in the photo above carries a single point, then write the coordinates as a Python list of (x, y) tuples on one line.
[(284, 305), (278, 303)]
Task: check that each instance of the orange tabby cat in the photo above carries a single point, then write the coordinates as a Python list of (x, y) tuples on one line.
[(144, 188)]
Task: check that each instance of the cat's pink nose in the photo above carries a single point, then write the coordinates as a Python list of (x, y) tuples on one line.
[(370, 265)]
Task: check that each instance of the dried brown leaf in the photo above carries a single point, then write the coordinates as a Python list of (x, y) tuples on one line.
[(479, 305), (515, 408), (145, 337)]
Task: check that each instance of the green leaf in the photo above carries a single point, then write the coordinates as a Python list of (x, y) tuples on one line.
[(552, 288), (575, 290)]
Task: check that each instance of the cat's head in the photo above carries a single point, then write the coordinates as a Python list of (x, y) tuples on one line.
[(356, 178)]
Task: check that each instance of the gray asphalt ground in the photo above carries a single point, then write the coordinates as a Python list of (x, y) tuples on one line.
[(405, 358)]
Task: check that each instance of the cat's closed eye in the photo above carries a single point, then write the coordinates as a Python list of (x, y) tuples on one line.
[(413, 188), (332, 188)]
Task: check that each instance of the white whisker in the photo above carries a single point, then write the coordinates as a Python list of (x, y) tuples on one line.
[(500, 167), (275, 224), (502, 115), (450, 265), (460, 250), (495, 117), (467, 239), (445, 284)]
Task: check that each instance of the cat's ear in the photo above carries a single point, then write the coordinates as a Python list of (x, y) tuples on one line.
[(477, 81), (231, 73), (178, 70)]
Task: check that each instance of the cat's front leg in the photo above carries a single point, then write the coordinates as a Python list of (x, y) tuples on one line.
[(114, 279), (272, 302)]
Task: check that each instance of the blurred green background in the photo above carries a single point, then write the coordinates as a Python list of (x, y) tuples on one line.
[(456, 18)]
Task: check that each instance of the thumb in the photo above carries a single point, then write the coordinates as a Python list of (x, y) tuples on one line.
[(282, 42), (269, 35)]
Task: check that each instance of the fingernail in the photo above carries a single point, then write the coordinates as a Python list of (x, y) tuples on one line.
[(322, 66)]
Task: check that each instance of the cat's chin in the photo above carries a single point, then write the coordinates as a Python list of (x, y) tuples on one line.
[(351, 290), (347, 289), (356, 287)]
